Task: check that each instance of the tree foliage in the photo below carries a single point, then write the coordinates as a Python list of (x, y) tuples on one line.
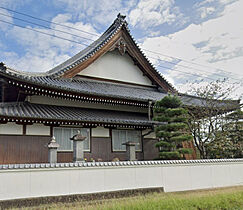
[(173, 129), (215, 128)]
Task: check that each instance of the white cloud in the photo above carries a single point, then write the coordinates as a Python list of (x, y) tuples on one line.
[(205, 11), (101, 12), (211, 8), (5, 18), (150, 13), (42, 52), (13, 4), (216, 42)]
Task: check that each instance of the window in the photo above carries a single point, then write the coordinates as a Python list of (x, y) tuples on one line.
[(63, 135), (122, 136)]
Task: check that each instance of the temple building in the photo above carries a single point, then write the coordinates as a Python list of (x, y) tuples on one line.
[(106, 91)]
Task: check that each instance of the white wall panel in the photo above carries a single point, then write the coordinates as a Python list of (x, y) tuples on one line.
[(149, 136), (11, 129), (118, 67), (100, 132), (38, 129)]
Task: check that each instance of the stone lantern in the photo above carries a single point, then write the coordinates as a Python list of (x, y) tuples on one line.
[(78, 147), (130, 150), (52, 150)]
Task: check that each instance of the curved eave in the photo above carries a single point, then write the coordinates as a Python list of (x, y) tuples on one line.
[(31, 87), (27, 113)]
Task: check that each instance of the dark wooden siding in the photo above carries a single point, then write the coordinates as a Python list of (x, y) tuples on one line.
[(100, 149), (23, 149), (64, 157), (32, 149), (150, 151)]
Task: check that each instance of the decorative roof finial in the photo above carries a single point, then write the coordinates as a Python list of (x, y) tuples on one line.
[(121, 17), (2, 66)]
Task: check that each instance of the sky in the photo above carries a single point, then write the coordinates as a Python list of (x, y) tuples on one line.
[(191, 42)]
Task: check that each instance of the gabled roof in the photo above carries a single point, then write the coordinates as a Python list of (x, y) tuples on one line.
[(117, 36)]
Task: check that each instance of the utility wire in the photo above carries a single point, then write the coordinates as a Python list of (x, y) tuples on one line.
[(189, 67), (180, 59), (26, 21), (165, 67), (197, 75), (20, 13), (218, 69), (31, 29)]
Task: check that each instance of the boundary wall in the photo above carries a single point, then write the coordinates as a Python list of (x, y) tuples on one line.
[(41, 180)]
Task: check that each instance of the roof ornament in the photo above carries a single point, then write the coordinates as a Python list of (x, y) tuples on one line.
[(120, 19), (121, 45), (3, 67)]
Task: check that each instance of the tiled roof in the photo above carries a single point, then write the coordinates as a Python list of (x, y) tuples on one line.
[(112, 90), (27, 110), (97, 88)]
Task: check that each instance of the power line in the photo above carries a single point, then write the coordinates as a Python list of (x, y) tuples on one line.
[(31, 29), (169, 56), (189, 67), (47, 21), (26, 21), (97, 35), (165, 67), (198, 75)]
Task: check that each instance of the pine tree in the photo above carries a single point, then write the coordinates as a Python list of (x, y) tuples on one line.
[(173, 129)]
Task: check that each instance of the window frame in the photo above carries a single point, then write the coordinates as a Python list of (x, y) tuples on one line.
[(71, 150), (141, 139)]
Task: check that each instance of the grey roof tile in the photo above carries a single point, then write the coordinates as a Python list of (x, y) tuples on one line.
[(26, 110)]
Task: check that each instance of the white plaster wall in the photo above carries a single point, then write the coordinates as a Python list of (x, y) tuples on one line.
[(11, 129), (62, 102), (149, 136), (100, 132), (38, 129), (25, 183), (115, 66)]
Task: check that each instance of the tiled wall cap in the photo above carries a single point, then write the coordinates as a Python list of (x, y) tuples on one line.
[(118, 163)]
